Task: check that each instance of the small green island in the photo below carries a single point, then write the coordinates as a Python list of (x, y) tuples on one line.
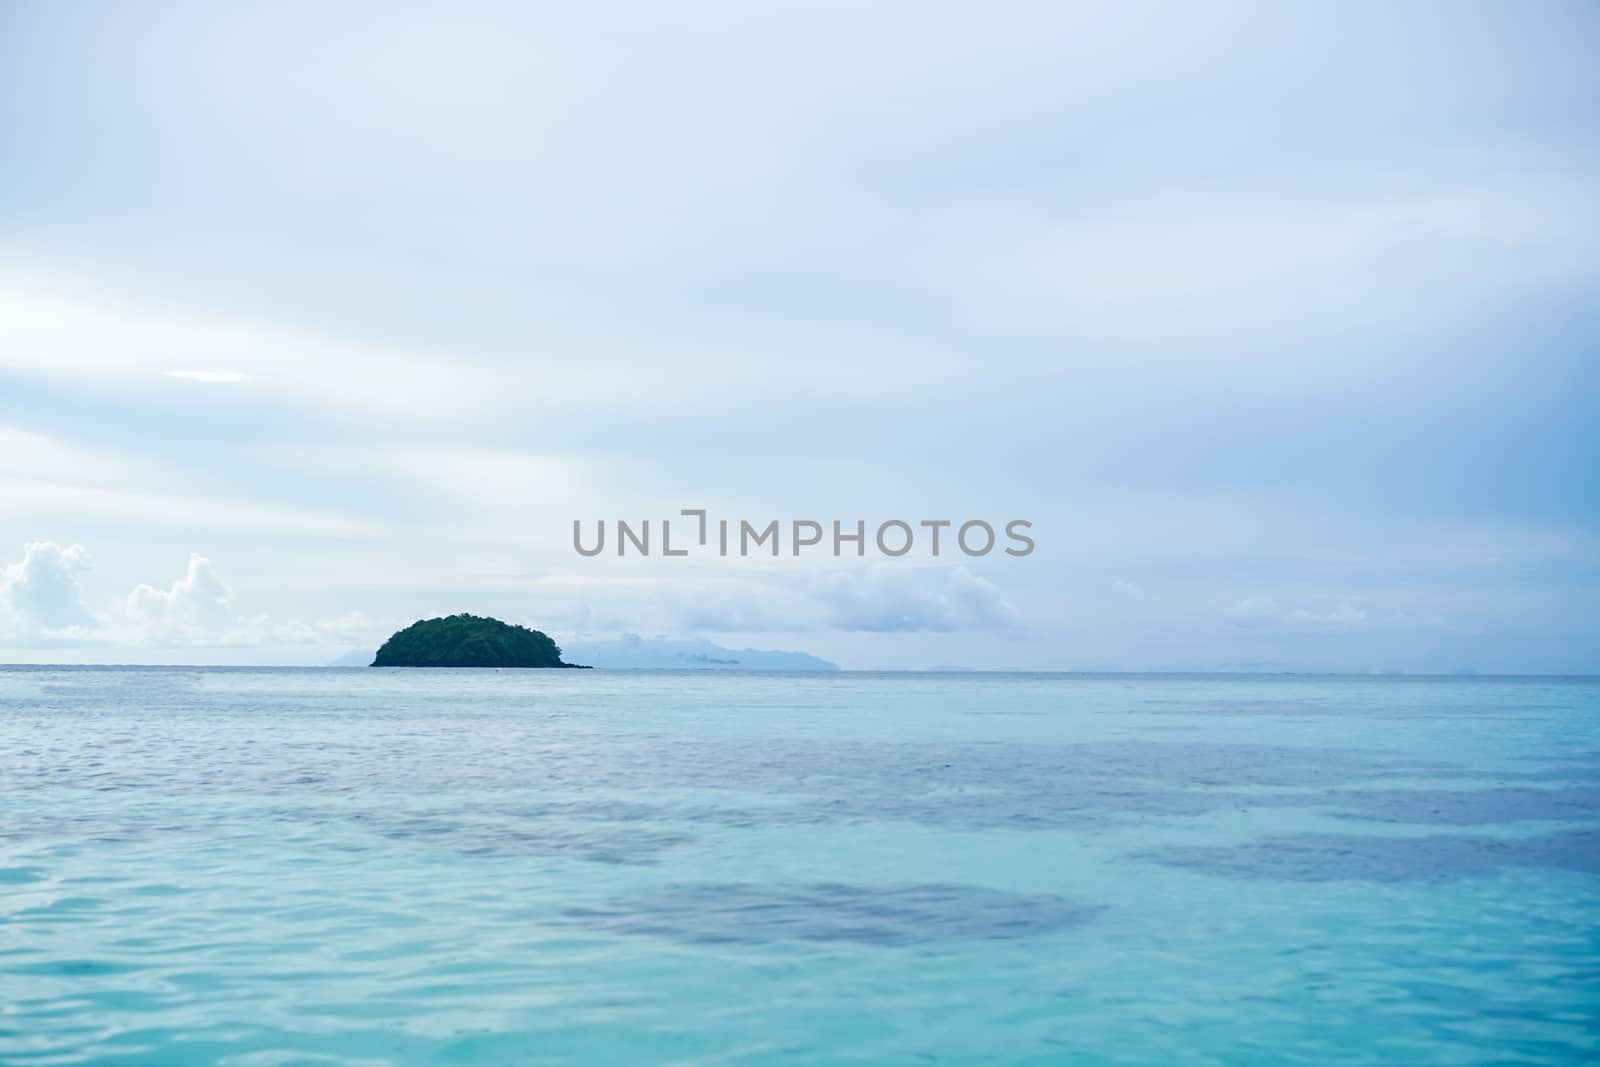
[(468, 641)]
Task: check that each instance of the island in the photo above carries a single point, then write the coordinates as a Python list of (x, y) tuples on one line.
[(468, 641)]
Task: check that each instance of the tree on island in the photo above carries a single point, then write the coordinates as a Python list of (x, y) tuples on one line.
[(468, 641)]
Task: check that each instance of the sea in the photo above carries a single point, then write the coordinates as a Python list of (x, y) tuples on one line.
[(258, 868)]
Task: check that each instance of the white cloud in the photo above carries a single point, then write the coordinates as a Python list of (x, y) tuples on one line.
[(896, 599), (194, 609), (197, 611), (26, 454), (33, 496), (1187, 271), (354, 628), (40, 592), (44, 332), (71, 329), (1265, 613), (214, 377), (42, 605), (881, 598), (57, 476)]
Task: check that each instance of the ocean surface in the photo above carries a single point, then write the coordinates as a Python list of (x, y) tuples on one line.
[(272, 867)]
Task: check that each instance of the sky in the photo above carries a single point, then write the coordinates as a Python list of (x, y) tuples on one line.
[(1277, 321)]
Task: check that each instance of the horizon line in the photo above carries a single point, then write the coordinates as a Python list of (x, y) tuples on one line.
[(1464, 675)]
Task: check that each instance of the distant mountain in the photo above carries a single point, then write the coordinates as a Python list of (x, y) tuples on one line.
[(468, 641), (356, 657), (632, 652)]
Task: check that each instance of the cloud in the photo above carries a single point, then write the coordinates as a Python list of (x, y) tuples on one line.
[(351, 628), (193, 609), (892, 599), (884, 598), (40, 591), (1210, 268), (42, 605), (1268, 614), (29, 455), (41, 497), (102, 344), (55, 476), (197, 611), (214, 377)]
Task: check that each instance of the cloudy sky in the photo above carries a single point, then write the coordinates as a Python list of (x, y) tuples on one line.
[(1278, 321)]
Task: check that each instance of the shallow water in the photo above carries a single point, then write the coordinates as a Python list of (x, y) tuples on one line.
[(266, 867)]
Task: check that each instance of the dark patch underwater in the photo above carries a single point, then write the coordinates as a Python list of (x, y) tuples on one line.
[(1353, 857), (742, 913)]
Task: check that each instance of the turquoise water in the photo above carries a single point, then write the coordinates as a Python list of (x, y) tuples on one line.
[(268, 867)]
